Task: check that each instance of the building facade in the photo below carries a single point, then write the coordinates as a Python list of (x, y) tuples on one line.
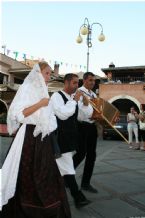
[(124, 87)]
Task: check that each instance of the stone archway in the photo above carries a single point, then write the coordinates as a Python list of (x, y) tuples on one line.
[(125, 97), (3, 111), (4, 103)]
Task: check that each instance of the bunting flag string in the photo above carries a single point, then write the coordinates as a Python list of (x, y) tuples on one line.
[(25, 57), (8, 51), (16, 54)]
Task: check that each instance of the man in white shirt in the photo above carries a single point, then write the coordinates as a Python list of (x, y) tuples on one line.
[(70, 106), (87, 138)]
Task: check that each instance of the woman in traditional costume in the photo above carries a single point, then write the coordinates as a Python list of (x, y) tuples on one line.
[(31, 181)]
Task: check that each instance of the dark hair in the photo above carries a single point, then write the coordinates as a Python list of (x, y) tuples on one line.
[(87, 74), (69, 77)]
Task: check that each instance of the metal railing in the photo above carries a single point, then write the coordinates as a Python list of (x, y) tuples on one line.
[(120, 80)]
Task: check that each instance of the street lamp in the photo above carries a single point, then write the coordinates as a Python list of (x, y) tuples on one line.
[(86, 29)]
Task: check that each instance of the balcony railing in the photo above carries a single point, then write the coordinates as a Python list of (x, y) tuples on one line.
[(120, 80)]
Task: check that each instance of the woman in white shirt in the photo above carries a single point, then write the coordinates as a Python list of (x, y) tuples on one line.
[(29, 174), (132, 126), (141, 117)]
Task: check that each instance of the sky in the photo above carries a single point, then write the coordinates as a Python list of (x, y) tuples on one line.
[(49, 29)]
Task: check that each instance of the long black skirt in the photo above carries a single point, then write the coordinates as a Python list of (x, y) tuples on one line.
[(40, 191)]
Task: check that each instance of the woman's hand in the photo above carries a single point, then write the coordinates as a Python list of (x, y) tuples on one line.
[(136, 114), (30, 110), (44, 102)]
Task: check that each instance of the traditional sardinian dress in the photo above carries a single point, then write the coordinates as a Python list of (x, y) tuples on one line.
[(29, 176)]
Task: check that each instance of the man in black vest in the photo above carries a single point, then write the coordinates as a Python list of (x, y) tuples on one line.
[(69, 106), (87, 138)]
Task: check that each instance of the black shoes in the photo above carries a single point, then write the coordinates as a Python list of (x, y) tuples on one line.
[(89, 188), (80, 200)]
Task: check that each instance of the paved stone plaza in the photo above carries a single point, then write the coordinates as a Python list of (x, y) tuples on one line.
[(119, 176)]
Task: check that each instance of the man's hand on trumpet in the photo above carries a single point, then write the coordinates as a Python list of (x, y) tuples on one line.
[(77, 96), (85, 100)]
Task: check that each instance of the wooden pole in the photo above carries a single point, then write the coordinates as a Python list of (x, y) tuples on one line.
[(94, 106)]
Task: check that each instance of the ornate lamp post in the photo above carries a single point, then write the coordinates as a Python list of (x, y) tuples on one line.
[(86, 29)]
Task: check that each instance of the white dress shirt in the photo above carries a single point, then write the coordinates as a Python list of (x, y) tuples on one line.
[(90, 94)]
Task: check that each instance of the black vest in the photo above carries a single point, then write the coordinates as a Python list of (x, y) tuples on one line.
[(67, 131)]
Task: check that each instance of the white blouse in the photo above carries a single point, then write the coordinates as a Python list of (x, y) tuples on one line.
[(131, 118), (29, 97)]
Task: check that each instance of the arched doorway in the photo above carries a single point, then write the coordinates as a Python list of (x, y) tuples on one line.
[(124, 103), (3, 112)]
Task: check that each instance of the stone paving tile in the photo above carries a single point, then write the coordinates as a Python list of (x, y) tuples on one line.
[(100, 196), (129, 163), (117, 157), (114, 209), (123, 182), (119, 154), (104, 168), (108, 209), (141, 171), (140, 198), (122, 148), (85, 212)]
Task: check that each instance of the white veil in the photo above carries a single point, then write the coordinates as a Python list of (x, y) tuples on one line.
[(43, 124)]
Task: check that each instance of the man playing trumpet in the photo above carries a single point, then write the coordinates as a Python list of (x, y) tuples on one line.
[(87, 137)]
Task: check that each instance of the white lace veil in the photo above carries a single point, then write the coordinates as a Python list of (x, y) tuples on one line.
[(43, 124)]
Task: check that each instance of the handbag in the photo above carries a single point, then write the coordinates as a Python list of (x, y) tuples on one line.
[(141, 125)]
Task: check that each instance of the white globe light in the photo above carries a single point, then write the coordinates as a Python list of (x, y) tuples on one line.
[(101, 37), (84, 30), (79, 39)]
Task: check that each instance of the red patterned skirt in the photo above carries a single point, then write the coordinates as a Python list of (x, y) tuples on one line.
[(40, 191)]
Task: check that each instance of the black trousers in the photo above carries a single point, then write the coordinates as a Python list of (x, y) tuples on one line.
[(139, 134), (142, 135), (70, 181), (86, 148)]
